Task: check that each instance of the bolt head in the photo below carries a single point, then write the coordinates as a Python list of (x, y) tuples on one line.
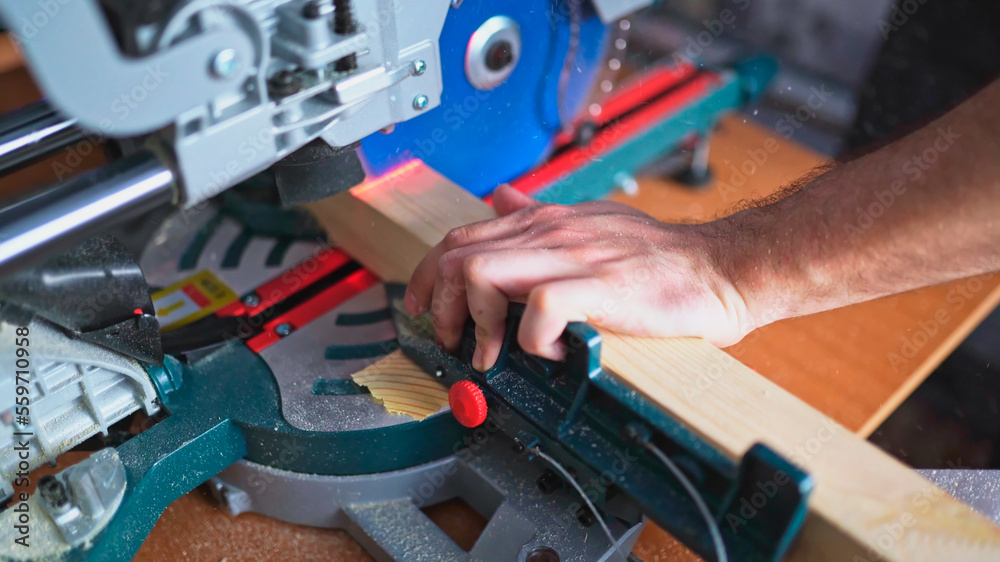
[(253, 299), (419, 67), (499, 56), (420, 102), (225, 63), (284, 83), (283, 329)]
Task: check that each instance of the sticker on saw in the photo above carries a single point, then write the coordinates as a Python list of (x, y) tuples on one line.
[(402, 386), (191, 299)]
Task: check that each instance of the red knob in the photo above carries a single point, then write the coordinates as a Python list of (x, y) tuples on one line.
[(467, 402)]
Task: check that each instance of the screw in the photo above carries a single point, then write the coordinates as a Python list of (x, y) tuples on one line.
[(284, 83), (419, 67), (549, 482), (420, 102), (224, 63), (344, 23), (585, 516), (518, 446), (253, 299), (439, 372), (283, 329)]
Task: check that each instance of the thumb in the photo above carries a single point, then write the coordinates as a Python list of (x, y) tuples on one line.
[(507, 200)]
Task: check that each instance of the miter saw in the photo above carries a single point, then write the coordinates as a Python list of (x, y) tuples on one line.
[(236, 330)]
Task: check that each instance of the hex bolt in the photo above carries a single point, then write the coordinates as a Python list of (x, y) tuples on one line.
[(549, 482), (420, 102), (251, 299), (283, 329), (419, 67), (224, 63)]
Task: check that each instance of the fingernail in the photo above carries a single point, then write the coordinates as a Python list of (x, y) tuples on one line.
[(477, 359), (411, 304)]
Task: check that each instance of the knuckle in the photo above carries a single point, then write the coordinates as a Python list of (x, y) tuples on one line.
[(552, 211), (474, 267), (483, 333), (449, 264), (528, 345), (456, 237), (563, 232), (544, 300)]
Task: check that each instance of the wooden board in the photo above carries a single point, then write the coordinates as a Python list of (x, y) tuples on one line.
[(866, 504)]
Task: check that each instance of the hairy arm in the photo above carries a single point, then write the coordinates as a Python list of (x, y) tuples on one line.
[(920, 211), (923, 210)]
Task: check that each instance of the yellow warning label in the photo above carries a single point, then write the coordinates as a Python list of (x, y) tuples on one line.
[(191, 299)]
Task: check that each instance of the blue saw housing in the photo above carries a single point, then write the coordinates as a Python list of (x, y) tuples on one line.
[(480, 139)]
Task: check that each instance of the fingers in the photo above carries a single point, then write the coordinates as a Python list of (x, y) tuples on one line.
[(420, 289), (491, 279), (553, 305), (488, 307), (507, 200), (448, 305)]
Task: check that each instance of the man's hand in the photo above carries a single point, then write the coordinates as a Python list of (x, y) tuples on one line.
[(603, 263)]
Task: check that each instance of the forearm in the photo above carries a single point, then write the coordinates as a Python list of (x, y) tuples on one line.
[(923, 210)]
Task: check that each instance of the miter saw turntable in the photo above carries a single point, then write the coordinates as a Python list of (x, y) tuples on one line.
[(236, 330)]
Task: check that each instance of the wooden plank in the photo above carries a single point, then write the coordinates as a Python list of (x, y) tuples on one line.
[(866, 506)]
